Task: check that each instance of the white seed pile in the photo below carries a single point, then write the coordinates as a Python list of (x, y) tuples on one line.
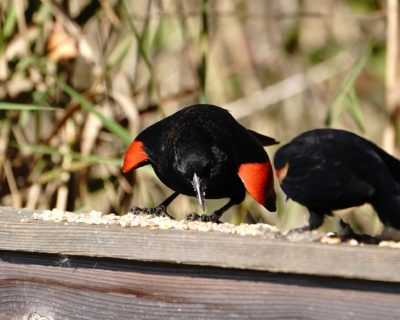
[(162, 222), (154, 222)]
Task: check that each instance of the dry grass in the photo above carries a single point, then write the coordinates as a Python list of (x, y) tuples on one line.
[(107, 69)]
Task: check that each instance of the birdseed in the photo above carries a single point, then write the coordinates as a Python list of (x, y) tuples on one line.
[(154, 222), (130, 220)]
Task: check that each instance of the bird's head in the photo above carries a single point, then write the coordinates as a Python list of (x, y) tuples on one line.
[(196, 168)]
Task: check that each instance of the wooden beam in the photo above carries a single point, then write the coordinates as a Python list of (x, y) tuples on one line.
[(198, 248), (115, 289)]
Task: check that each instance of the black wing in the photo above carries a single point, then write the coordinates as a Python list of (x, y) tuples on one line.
[(264, 140), (325, 186), (392, 163)]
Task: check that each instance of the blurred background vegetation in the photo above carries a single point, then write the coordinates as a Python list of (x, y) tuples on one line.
[(80, 79)]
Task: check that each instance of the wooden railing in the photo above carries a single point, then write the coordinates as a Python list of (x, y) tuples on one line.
[(54, 271)]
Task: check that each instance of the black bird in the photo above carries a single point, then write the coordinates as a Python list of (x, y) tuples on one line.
[(330, 169), (202, 151)]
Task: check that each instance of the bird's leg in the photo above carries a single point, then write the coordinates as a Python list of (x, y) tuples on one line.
[(160, 210), (214, 217), (316, 220)]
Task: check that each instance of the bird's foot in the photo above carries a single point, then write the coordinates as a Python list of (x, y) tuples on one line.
[(346, 233), (158, 211), (203, 217)]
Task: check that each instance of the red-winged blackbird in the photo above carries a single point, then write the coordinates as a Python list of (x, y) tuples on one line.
[(202, 151), (329, 169)]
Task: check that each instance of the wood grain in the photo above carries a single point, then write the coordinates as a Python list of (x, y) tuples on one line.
[(162, 291), (198, 248)]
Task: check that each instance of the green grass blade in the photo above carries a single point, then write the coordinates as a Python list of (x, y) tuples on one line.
[(141, 42), (110, 124), (354, 109), (43, 149), (119, 53), (338, 105), (139, 39), (23, 107), (10, 22)]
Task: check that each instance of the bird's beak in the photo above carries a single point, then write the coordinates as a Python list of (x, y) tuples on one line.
[(199, 189)]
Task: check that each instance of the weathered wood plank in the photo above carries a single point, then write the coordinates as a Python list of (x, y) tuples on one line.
[(120, 290), (198, 248)]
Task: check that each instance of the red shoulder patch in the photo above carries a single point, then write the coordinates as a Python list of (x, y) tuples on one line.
[(258, 180), (281, 173), (134, 156)]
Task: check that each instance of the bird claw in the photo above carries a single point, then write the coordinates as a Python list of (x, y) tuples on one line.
[(203, 217), (159, 211), (346, 233)]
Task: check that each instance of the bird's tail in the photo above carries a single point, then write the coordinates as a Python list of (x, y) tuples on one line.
[(388, 208), (264, 140), (392, 162)]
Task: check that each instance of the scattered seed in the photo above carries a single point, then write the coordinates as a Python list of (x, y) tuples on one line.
[(24, 219), (156, 222), (331, 240), (352, 242), (387, 243)]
